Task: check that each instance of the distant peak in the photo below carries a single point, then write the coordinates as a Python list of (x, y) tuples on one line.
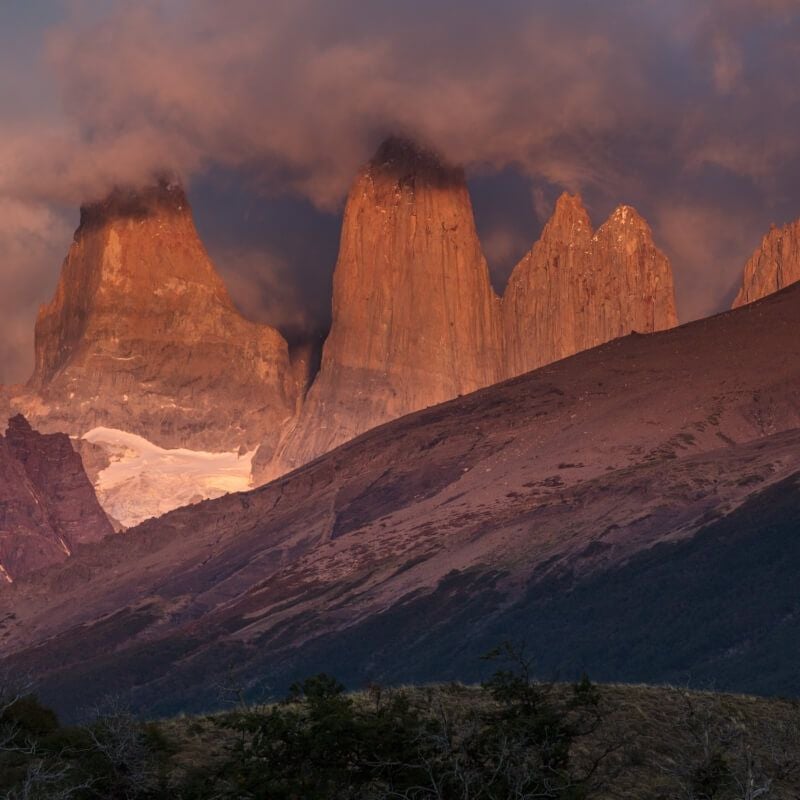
[(569, 214), (569, 204), (626, 215), (165, 195)]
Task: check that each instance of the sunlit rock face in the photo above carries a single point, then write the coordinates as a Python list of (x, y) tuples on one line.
[(773, 266), (142, 336), (47, 504), (415, 319), (578, 288)]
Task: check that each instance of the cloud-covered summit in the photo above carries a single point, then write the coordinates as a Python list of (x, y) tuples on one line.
[(688, 110)]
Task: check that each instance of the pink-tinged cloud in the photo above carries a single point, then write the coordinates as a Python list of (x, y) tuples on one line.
[(687, 110)]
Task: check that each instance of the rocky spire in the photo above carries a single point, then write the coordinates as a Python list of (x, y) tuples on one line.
[(773, 266), (576, 288), (142, 335), (415, 319)]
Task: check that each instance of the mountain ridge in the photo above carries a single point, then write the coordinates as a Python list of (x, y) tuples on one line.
[(572, 469)]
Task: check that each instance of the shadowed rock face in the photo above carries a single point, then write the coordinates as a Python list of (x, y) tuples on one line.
[(47, 504), (576, 288), (142, 336), (409, 551), (773, 266), (415, 319)]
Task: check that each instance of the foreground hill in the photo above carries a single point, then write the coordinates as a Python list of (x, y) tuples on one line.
[(510, 737), (620, 510)]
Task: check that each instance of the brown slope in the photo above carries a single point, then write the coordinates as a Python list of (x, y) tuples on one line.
[(47, 504), (142, 335), (576, 288), (580, 464), (774, 265), (415, 319)]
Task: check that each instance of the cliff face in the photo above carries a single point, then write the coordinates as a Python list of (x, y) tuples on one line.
[(142, 336), (415, 319), (773, 266), (576, 288), (47, 504)]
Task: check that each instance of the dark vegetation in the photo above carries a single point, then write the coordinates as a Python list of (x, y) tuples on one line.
[(511, 737)]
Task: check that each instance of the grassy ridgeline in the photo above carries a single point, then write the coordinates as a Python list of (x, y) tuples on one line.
[(510, 738)]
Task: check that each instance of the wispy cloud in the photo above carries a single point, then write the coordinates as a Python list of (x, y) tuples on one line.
[(624, 101)]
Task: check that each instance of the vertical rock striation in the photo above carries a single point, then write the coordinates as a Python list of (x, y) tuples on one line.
[(415, 319), (773, 266), (578, 288), (142, 336)]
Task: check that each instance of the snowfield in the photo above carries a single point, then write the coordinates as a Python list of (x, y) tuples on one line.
[(144, 480)]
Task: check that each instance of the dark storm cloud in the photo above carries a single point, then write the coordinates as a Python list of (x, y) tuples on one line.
[(687, 110)]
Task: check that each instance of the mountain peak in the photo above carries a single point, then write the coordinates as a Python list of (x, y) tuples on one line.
[(164, 196), (415, 318), (774, 265), (625, 216), (569, 221), (142, 335), (575, 289), (568, 203)]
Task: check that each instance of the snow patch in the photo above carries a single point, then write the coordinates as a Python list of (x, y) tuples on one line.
[(5, 575), (144, 480)]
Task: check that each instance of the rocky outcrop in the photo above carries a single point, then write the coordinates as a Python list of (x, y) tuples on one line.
[(773, 266), (578, 288), (142, 336), (415, 319), (47, 504)]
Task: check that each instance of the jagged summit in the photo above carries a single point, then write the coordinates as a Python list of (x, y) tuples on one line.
[(569, 222), (626, 216), (576, 289), (570, 206), (774, 265), (415, 320)]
